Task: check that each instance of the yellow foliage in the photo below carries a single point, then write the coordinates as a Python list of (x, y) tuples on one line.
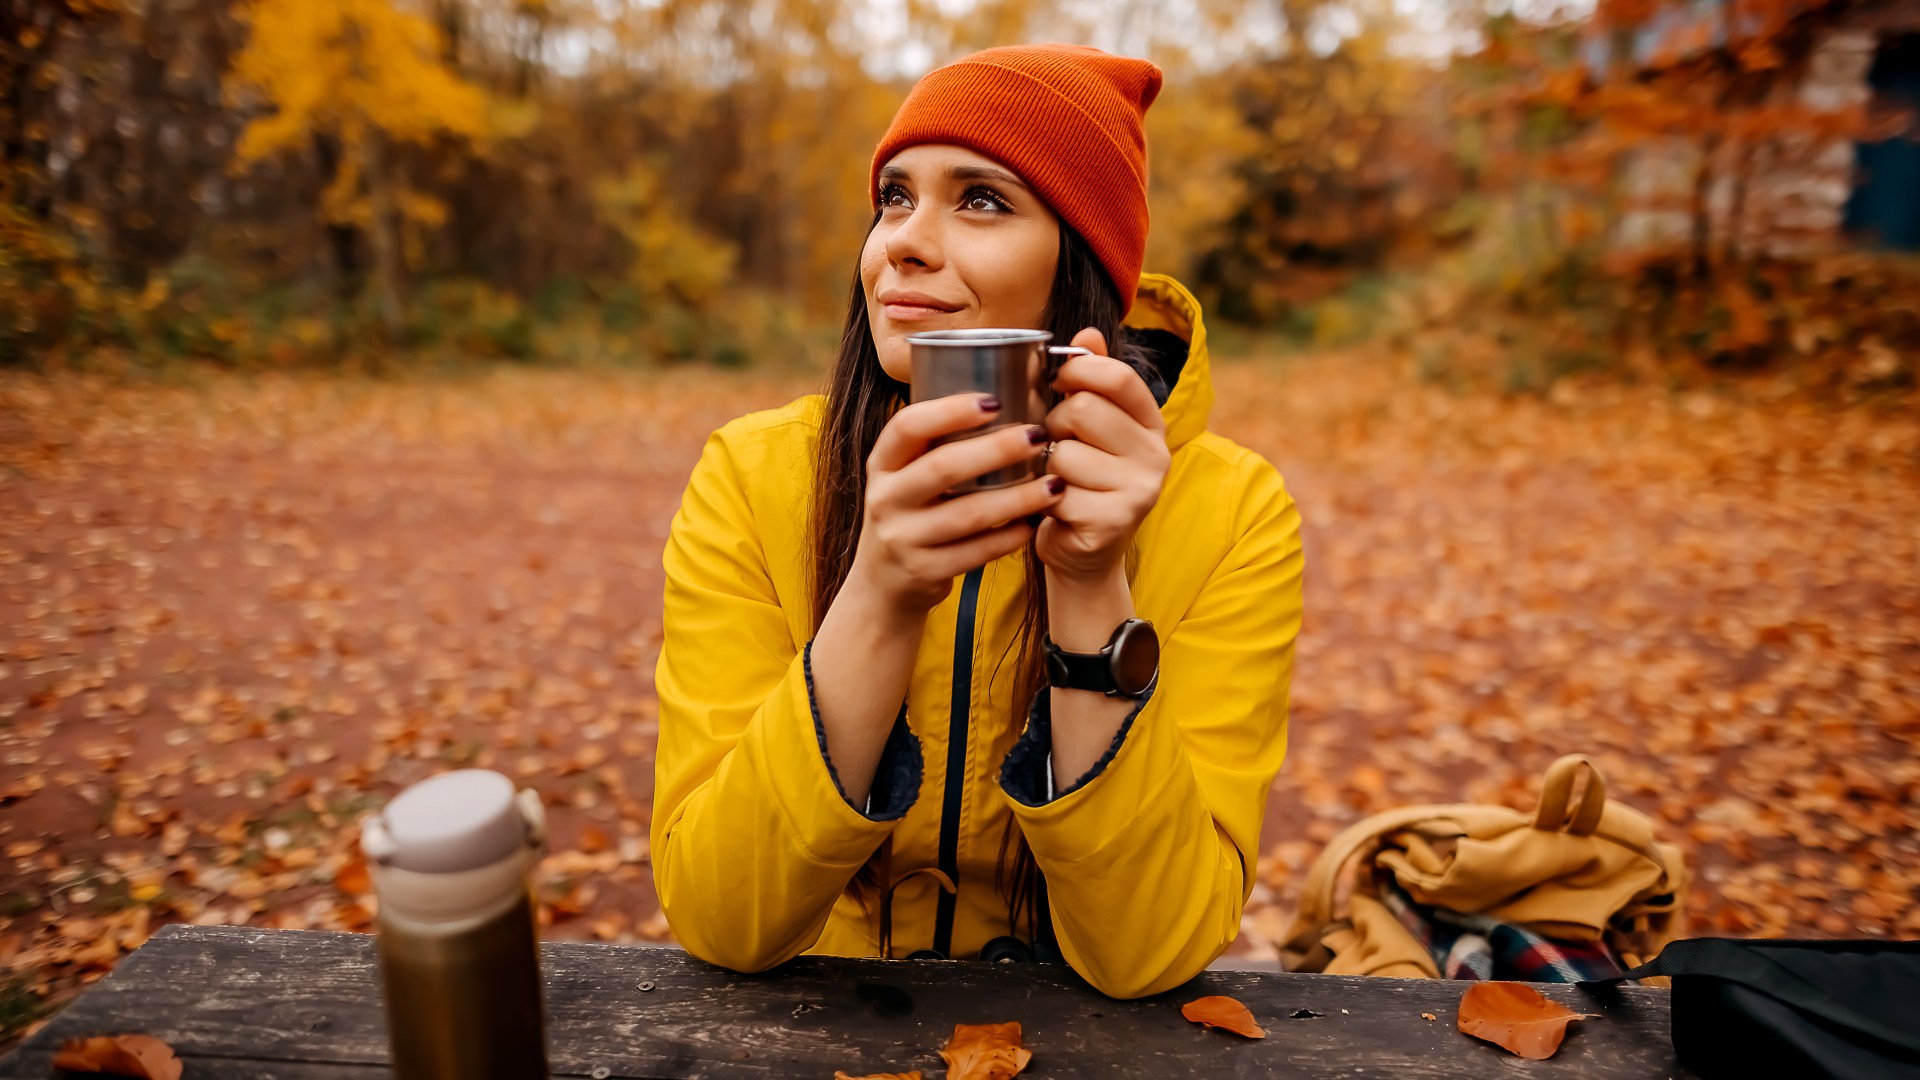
[(672, 258), (421, 207), (334, 65), (1196, 140), (45, 289), (155, 293)]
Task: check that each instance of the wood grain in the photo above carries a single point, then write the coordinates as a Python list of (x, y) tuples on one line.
[(304, 1005)]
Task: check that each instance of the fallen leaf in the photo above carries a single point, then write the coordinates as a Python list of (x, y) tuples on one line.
[(79, 928), (985, 1052), (1515, 1016), (585, 758), (1224, 1013), (353, 878), (1428, 1016), (13, 793), (655, 928), (140, 1056), (574, 900)]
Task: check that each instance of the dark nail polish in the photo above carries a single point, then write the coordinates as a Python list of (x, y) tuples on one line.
[(1056, 484), (1037, 435), (989, 404)]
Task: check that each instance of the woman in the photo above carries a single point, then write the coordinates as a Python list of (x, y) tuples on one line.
[(861, 755)]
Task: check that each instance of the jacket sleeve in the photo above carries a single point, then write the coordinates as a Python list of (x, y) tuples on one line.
[(753, 839), (1149, 857)]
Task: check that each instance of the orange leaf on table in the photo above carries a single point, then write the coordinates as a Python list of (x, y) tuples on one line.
[(1515, 1016), (1225, 1013), (985, 1052), (140, 1056)]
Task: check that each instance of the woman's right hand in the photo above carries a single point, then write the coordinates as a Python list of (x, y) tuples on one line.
[(914, 539)]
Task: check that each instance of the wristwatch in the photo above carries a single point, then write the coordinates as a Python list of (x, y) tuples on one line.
[(1128, 667)]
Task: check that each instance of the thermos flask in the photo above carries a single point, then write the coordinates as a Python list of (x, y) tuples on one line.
[(450, 859)]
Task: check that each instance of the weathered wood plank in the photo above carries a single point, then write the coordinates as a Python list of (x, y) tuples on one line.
[(305, 1006), (36, 1065)]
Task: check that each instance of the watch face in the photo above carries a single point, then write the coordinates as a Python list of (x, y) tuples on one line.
[(1136, 657)]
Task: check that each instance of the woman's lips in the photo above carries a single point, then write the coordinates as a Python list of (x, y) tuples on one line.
[(911, 305), (904, 312)]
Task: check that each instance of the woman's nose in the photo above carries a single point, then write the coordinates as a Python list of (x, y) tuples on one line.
[(916, 240)]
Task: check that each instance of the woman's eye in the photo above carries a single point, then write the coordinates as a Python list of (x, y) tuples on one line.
[(982, 199), (894, 195)]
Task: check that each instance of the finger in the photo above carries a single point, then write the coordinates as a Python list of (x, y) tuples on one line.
[(1096, 420), (907, 435), (981, 511), (1087, 468), (978, 550), (1089, 339), (1114, 381), (1092, 340), (923, 480)]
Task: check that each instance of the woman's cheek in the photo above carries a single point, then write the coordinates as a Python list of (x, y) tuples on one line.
[(895, 358), (1030, 286)]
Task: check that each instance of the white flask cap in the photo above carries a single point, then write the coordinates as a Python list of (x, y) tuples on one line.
[(457, 821)]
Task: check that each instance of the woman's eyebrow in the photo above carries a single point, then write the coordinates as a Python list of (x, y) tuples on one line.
[(985, 172), (894, 174)]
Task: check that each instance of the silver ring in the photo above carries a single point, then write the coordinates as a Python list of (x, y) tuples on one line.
[(1046, 457)]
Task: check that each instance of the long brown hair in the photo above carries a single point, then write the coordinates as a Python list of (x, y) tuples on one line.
[(861, 398)]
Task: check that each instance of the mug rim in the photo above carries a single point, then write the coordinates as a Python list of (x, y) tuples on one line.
[(980, 336)]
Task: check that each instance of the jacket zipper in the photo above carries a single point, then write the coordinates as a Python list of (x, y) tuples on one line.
[(955, 785)]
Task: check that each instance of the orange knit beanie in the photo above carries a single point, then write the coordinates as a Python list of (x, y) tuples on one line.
[(1067, 118)]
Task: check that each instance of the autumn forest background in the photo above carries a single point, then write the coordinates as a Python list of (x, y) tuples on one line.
[(353, 354)]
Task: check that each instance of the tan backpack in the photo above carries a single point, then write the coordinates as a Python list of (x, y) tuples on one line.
[(1577, 872)]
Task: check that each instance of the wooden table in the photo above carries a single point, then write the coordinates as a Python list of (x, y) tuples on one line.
[(236, 1002)]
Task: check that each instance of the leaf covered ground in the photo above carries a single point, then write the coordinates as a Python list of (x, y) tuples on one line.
[(235, 613)]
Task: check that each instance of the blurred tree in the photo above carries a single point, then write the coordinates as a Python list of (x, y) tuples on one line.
[(1680, 168), (345, 80), (227, 163), (1343, 170)]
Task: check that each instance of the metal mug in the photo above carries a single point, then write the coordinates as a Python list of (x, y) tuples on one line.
[(1015, 366)]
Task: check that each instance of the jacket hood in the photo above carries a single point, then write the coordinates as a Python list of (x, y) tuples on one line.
[(1168, 327)]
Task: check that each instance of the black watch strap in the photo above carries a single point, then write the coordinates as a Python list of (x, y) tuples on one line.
[(1128, 667), (1079, 671)]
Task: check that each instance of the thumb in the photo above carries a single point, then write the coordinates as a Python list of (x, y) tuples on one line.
[(1091, 340)]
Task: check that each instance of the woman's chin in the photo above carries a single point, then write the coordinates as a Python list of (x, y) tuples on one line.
[(896, 358)]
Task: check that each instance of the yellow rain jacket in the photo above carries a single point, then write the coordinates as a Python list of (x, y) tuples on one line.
[(1148, 860)]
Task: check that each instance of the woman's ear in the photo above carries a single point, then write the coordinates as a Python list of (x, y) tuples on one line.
[(1092, 340)]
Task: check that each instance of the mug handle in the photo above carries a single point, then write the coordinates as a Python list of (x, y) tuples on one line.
[(1056, 353)]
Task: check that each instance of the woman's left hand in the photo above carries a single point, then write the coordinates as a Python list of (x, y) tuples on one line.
[(1111, 449)]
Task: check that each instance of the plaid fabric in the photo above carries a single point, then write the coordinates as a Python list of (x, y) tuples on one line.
[(1477, 947)]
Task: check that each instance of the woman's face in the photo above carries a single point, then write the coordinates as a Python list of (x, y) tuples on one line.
[(961, 242)]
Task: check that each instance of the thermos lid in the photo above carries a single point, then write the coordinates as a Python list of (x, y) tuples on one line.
[(461, 820)]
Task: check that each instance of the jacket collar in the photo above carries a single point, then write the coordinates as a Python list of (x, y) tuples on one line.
[(1164, 304)]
